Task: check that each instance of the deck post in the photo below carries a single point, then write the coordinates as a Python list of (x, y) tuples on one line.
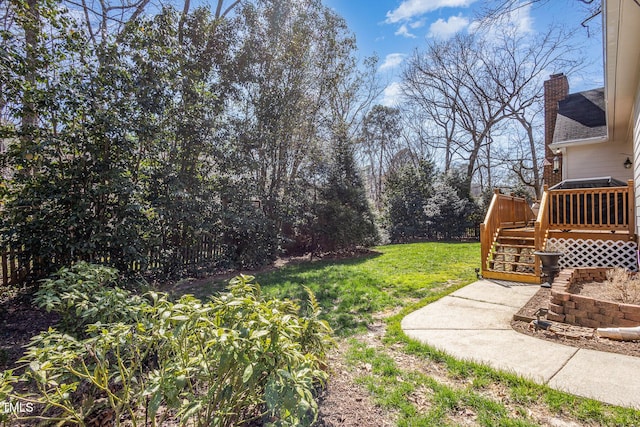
[(541, 226)]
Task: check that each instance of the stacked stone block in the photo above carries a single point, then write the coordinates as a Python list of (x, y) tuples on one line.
[(575, 309)]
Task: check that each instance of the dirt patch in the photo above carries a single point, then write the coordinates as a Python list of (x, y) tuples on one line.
[(575, 336), (422, 397), (610, 291), (189, 285), (345, 403), (20, 320)]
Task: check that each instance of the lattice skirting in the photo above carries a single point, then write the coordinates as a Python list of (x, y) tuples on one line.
[(595, 253)]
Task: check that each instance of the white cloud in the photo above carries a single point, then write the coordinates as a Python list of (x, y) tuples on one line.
[(521, 19), (418, 24), (444, 30), (404, 32), (391, 95), (391, 61), (410, 9)]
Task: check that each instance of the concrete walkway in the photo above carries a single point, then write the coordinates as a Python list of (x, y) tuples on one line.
[(473, 323)]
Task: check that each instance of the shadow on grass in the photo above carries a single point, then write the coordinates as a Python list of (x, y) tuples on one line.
[(351, 290), (347, 292)]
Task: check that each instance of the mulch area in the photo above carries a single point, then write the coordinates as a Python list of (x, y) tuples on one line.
[(575, 336), (20, 320), (191, 285), (346, 404)]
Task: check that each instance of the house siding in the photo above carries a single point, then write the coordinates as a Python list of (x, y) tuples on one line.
[(635, 131), (594, 160)]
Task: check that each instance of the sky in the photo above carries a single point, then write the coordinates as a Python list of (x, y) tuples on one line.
[(393, 29)]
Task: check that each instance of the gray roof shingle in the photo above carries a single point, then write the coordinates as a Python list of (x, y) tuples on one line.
[(581, 116)]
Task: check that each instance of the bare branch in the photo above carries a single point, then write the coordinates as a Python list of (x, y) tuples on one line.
[(227, 10), (472, 86)]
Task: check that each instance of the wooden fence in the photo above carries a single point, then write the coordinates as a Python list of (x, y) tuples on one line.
[(18, 267), (13, 270)]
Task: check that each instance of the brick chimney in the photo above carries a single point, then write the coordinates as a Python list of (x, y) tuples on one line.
[(555, 90)]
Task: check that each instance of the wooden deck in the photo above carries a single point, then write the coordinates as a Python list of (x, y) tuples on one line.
[(512, 232)]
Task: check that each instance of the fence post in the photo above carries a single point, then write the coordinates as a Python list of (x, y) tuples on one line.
[(5, 268)]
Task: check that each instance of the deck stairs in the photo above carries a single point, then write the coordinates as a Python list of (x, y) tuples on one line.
[(512, 255), (591, 226)]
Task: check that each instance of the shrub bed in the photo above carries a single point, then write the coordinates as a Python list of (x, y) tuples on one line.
[(236, 358)]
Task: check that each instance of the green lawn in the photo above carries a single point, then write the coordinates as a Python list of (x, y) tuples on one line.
[(397, 279), (350, 291), (391, 277)]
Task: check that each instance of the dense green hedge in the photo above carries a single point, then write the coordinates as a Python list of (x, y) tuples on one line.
[(179, 125), (422, 204)]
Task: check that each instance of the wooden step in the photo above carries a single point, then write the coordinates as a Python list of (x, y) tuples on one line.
[(514, 267), (512, 276), (521, 264), (513, 248), (520, 238), (516, 232), (516, 244), (516, 257), (512, 256), (509, 245)]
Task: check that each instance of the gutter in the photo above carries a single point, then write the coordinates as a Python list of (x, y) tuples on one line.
[(577, 142)]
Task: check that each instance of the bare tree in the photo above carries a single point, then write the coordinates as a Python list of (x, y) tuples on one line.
[(525, 62), (105, 18), (471, 85), (355, 94), (452, 81), (435, 121), (379, 144), (524, 151), (497, 10), (415, 136)]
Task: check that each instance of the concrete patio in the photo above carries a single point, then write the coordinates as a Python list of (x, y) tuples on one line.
[(473, 323)]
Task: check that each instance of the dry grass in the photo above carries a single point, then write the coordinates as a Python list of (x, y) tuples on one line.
[(624, 285)]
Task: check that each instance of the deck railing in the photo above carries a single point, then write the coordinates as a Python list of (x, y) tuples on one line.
[(504, 211), (541, 228), (610, 208)]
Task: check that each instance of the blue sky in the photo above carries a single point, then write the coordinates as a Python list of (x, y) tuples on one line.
[(393, 29)]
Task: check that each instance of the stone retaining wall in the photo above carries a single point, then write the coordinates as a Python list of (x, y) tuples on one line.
[(585, 311)]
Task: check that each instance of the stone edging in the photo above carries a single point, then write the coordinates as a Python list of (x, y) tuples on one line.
[(585, 311)]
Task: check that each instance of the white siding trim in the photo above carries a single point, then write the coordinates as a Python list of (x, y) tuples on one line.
[(636, 156)]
